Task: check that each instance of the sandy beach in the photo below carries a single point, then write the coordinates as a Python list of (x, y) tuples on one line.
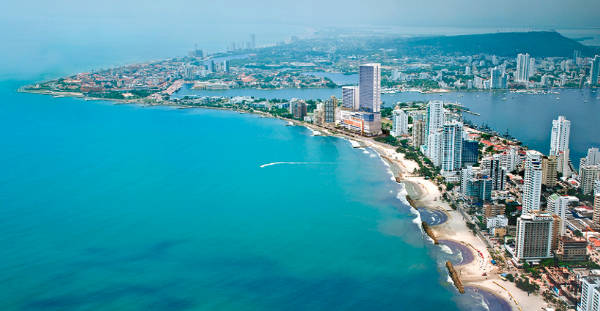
[(426, 194)]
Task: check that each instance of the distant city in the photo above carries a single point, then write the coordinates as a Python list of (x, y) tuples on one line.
[(537, 213)]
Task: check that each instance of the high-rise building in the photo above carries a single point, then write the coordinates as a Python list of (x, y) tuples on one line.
[(225, 66), (452, 146), (418, 133), (532, 185), (252, 41), (559, 137), (435, 116), (531, 72), (399, 123), (595, 70), (559, 142), (298, 108), (522, 74), (592, 158), (370, 87), (511, 159), (350, 97), (435, 142), (590, 294), (496, 78), (557, 205), (549, 176), (534, 237), (596, 214), (470, 152), (589, 175), (330, 106), (475, 184), (496, 171)]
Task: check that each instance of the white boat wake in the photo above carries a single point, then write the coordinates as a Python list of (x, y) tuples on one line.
[(292, 163)]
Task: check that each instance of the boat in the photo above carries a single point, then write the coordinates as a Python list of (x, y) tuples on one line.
[(290, 123)]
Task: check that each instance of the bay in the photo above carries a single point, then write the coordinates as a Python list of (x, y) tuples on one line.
[(528, 117)]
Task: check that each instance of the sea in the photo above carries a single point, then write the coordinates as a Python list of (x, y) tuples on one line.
[(108, 206)]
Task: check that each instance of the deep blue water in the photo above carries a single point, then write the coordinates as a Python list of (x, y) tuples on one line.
[(123, 207), (528, 117)]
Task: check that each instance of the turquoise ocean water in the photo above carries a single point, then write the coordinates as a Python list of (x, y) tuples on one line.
[(121, 207)]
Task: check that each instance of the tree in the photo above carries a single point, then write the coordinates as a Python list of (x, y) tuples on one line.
[(510, 277)]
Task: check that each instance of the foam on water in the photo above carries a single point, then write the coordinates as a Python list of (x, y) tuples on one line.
[(315, 132), (354, 143), (446, 249), (291, 163)]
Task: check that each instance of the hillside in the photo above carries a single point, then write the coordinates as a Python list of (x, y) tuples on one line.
[(538, 44)]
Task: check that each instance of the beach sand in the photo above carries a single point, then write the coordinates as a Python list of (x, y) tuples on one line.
[(426, 194)]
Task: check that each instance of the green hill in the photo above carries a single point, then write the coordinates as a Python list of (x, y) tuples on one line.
[(538, 44)]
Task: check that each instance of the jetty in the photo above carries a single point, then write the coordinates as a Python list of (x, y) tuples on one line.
[(411, 201), (429, 232), (455, 278)]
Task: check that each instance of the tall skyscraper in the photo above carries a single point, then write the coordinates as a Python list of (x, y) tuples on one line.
[(418, 133), (531, 71), (549, 176), (532, 186), (596, 215), (452, 146), (534, 237), (330, 106), (470, 155), (595, 70), (350, 97), (559, 137), (493, 167), (399, 123), (496, 81), (590, 293), (559, 142), (253, 41), (370, 87), (435, 116), (592, 158), (435, 147), (522, 73), (557, 205), (589, 175)]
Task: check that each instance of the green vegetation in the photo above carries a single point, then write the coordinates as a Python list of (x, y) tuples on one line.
[(524, 284)]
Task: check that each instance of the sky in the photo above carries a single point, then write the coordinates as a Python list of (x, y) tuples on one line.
[(40, 36), (520, 13)]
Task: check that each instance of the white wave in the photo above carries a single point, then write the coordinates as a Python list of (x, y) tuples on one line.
[(482, 302), (315, 132), (366, 152), (354, 143), (372, 155), (402, 194), (446, 249), (460, 257), (293, 163), (450, 280)]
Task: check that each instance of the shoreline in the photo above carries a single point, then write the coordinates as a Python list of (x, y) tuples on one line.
[(424, 192)]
